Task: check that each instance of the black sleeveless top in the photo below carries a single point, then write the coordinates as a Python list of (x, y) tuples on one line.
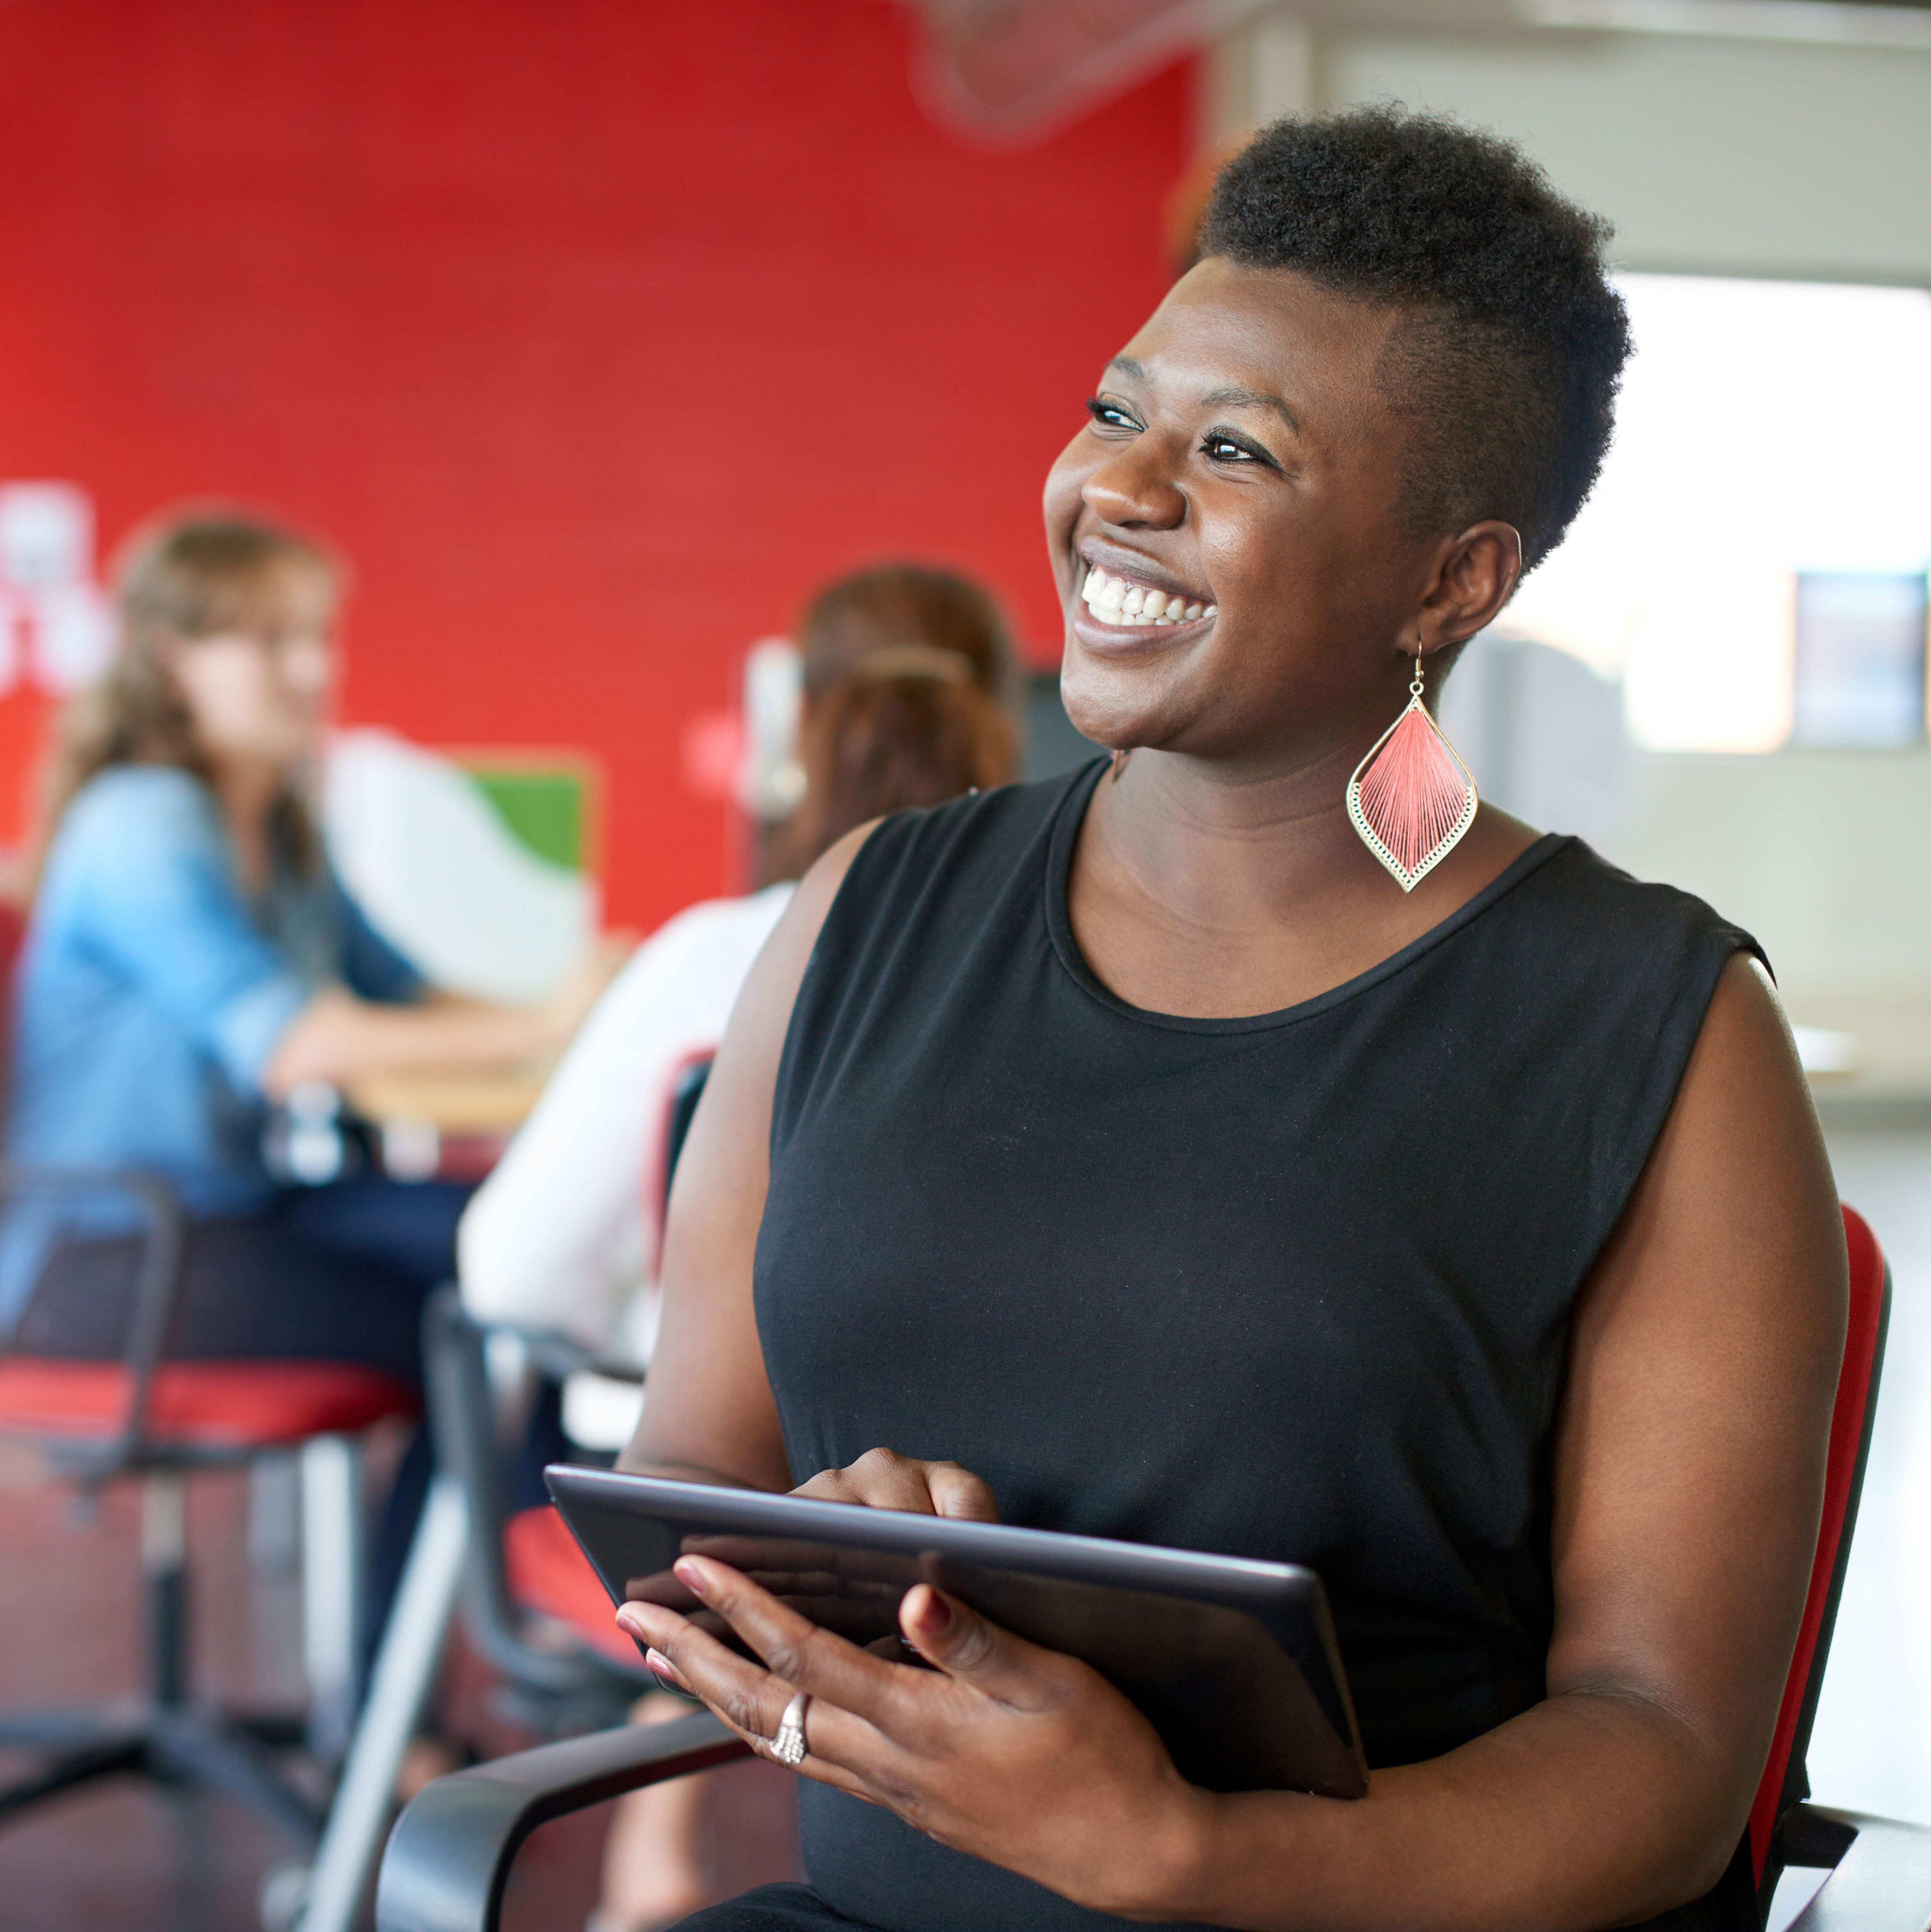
[(1294, 1286)]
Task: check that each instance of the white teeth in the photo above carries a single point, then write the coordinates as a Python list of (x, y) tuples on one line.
[(1121, 602)]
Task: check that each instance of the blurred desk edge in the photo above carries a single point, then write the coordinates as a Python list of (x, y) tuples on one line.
[(447, 1124)]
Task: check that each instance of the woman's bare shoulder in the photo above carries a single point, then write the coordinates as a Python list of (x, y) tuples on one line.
[(771, 988)]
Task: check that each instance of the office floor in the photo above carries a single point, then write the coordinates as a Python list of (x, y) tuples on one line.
[(126, 1858)]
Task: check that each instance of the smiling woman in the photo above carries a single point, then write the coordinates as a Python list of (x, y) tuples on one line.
[(1131, 1155)]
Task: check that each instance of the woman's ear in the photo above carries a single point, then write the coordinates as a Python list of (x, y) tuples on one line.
[(1475, 575)]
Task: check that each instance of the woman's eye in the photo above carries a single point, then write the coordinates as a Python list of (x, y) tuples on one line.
[(1224, 449), (1109, 415)]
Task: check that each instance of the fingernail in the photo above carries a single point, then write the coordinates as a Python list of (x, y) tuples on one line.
[(656, 1660), (935, 1614), (631, 1620), (691, 1576)]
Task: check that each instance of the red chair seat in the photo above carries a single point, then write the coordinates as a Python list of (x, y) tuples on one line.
[(212, 1405), (549, 1574)]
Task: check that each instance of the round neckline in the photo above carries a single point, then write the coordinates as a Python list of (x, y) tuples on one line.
[(1070, 815)]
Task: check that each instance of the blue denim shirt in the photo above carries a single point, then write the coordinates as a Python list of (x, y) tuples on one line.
[(151, 991)]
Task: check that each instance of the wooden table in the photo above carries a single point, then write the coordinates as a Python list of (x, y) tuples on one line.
[(450, 1123)]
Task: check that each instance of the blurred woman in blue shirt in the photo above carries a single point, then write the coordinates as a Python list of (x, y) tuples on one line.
[(191, 958)]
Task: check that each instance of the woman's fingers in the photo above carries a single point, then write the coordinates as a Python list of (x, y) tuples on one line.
[(750, 1700), (663, 1668), (955, 1639), (956, 1491), (798, 1651), (883, 1479)]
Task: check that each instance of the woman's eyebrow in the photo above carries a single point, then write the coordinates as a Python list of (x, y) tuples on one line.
[(1252, 399), (1227, 398)]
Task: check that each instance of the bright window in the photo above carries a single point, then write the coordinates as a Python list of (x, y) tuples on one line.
[(1752, 563)]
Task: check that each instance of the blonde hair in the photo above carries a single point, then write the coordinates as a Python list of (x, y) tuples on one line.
[(192, 574)]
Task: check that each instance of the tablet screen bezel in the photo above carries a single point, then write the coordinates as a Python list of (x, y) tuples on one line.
[(1291, 1681)]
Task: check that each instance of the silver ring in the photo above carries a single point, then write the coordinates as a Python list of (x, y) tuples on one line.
[(788, 1746)]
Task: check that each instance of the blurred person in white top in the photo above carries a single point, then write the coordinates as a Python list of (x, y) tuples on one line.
[(908, 673)]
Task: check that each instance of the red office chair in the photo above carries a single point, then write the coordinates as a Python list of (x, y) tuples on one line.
[(449, 1856), (1785, 1829), (147, 1419)]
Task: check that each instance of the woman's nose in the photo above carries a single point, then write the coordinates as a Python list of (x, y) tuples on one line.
[(308, 669), (1133, 488)]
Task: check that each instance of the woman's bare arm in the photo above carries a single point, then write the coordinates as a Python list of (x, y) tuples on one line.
[(708, 1412), (337, 1037), (1688, 1479)]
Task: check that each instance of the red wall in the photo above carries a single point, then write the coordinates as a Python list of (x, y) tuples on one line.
[(596, 331)]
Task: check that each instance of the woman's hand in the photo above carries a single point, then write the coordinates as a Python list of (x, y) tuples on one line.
[(1002, 1749), (883, 1479)]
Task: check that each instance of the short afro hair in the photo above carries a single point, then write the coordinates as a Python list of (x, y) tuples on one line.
[(1509, 363)]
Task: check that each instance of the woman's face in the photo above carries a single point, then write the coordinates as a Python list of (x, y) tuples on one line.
[(1240, 457), (262, 695)]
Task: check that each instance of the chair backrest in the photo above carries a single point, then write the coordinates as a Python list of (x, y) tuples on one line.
[(686, 1090), (13, 937), (1785, 1780)]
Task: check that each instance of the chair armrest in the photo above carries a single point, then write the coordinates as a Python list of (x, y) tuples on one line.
[(151, 1328), (449, 1856), (559, 1356), (1881, 1875)]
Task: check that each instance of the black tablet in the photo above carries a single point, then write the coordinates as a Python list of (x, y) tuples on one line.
[(1234, 1662)]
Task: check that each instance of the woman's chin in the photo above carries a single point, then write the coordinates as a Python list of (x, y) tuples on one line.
[(1115, 708)]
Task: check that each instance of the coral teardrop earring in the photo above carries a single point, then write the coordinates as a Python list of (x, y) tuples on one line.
[(1411, 798)]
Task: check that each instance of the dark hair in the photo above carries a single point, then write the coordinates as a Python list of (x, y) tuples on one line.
[(899, 603), (884, 741), (1508, 362)]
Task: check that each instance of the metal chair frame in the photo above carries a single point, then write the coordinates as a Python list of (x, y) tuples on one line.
[(553, 1684), (166, 1734)]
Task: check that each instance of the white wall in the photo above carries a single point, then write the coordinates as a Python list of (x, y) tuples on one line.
[(1713, 157), (1814, 852), (1722, 157)]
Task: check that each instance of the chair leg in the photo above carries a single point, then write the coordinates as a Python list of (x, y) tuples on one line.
[(108, 1759), (405, 1674), (164, 1579), (167, 1737), (70, 1730), (332, 1589), (274, 1514), (218, 1755)]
